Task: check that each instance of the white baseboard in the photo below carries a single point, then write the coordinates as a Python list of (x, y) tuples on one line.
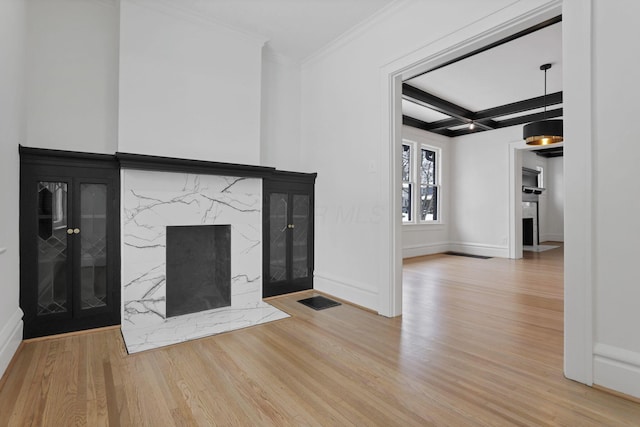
[(428, 249), (617, 369), (552, 238), (10, 339), (480, 249), (346, 289)]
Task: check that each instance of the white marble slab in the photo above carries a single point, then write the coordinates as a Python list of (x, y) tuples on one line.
[(198, 325), (153, 200)]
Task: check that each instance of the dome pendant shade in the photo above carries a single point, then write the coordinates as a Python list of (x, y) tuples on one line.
[(543, 132)]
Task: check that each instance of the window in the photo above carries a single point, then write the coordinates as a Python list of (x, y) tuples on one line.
[(420, 183), (407, 184)]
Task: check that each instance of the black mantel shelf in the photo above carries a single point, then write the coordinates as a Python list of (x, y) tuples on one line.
[(172, 164), (156, 163)]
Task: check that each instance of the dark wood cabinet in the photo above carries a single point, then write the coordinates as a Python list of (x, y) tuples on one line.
[(69, 241), (288, 210)]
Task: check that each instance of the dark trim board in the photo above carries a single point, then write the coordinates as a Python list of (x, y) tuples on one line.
[(172, 164), (156, 163), (42, 156), (507, 39)]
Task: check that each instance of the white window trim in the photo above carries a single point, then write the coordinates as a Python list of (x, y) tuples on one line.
[(415, 188)]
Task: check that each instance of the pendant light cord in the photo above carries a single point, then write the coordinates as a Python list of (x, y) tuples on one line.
[(545, 94)]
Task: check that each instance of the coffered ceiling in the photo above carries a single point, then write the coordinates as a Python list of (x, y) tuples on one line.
[(498, 87)]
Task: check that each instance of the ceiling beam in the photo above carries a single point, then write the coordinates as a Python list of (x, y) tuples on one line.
[(443, 124), (482, 119), (413, 94), (550, 152), (520, 120), (549, 155), (502, 110), (520, 106), (419, 124), (512, 122)]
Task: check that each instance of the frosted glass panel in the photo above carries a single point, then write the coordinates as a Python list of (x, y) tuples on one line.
[(93, 245), (278, 237), (300, 263), (52, 248)]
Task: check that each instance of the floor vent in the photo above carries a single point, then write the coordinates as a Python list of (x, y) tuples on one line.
[(467, 255), (319, 302)]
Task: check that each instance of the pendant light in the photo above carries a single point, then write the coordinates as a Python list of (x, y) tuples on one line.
[(543, 132)]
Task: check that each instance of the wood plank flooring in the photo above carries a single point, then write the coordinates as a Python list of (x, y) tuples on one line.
[(480, 343)]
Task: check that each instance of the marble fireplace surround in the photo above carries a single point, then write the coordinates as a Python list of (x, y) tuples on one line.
[(157, 192)]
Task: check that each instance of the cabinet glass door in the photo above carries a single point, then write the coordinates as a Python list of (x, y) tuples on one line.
[(53, 250), (278, 226), (300, 245), (92, 235), (69, 241)]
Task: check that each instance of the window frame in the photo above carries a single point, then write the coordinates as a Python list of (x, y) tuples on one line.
[(415, 183), (410, 183)]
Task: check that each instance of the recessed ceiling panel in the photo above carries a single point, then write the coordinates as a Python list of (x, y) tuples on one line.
[(420, 112), (460, 127)]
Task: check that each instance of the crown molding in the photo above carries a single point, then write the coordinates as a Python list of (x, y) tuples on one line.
[(186, 13), (355, 31), (273, 56)]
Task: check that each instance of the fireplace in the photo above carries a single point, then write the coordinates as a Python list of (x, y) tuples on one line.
[(198, 268), (191, 258)]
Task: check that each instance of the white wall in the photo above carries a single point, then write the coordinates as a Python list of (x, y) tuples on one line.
[(188, 88), (12, 35), (72, 75), (280, 112), (615, 208), (425, 239), (480, 191), (343, 100), (554, 177)]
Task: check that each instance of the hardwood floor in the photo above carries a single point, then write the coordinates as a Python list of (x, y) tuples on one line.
[(480, 343)]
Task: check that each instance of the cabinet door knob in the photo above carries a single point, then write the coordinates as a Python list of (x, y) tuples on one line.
[(292, 226), (76, 231), (69, 230)]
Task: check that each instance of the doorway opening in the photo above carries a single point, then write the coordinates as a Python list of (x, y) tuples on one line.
[(391, 299)]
